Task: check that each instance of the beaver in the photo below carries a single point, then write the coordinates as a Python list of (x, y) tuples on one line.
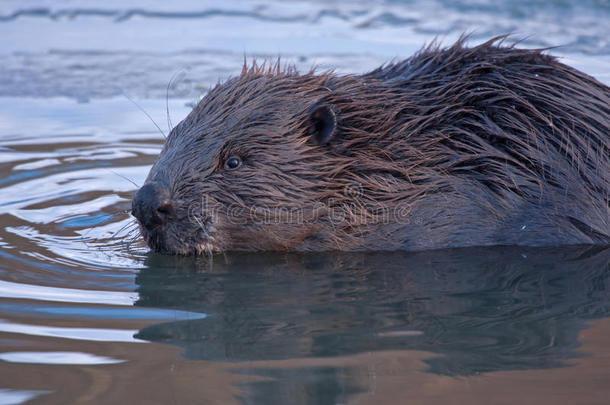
[(455, 146)]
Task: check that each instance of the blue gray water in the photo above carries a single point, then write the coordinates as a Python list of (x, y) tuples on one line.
[(87, 315)]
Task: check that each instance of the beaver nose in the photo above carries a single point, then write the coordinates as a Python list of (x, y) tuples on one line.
[(152, 205)]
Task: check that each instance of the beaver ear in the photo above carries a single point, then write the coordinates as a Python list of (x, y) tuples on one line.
[(322, 123)]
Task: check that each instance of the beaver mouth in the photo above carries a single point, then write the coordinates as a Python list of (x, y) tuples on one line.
[(171, 225), (175, 239)]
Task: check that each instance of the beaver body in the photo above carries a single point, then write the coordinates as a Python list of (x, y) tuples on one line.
[(453, 147)]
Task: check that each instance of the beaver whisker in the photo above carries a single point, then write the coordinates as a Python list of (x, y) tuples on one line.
[(210, 256), (129, 239), (132, 223), (201, 226), (169, 84), (134, 233), (145, 113), (124, 178)]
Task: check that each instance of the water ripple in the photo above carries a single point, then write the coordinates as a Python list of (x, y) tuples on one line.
[(35, 292)]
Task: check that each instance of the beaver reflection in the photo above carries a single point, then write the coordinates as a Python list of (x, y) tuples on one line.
[(481, 309)]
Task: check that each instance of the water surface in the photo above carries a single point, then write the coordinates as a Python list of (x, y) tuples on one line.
[(87, 315)]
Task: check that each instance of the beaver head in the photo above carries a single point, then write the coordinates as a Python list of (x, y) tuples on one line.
[(452, 147), (253, 166)]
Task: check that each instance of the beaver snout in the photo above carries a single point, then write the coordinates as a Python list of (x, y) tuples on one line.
[(152, 205)]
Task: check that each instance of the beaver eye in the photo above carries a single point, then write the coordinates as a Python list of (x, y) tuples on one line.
[(232, 163)]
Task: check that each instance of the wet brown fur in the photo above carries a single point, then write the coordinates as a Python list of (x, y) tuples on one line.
[(489, 145)]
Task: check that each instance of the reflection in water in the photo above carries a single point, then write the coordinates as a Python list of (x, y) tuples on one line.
[(480, 309), (10, 397), (90, 334), (21, 290), (56, 358)]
